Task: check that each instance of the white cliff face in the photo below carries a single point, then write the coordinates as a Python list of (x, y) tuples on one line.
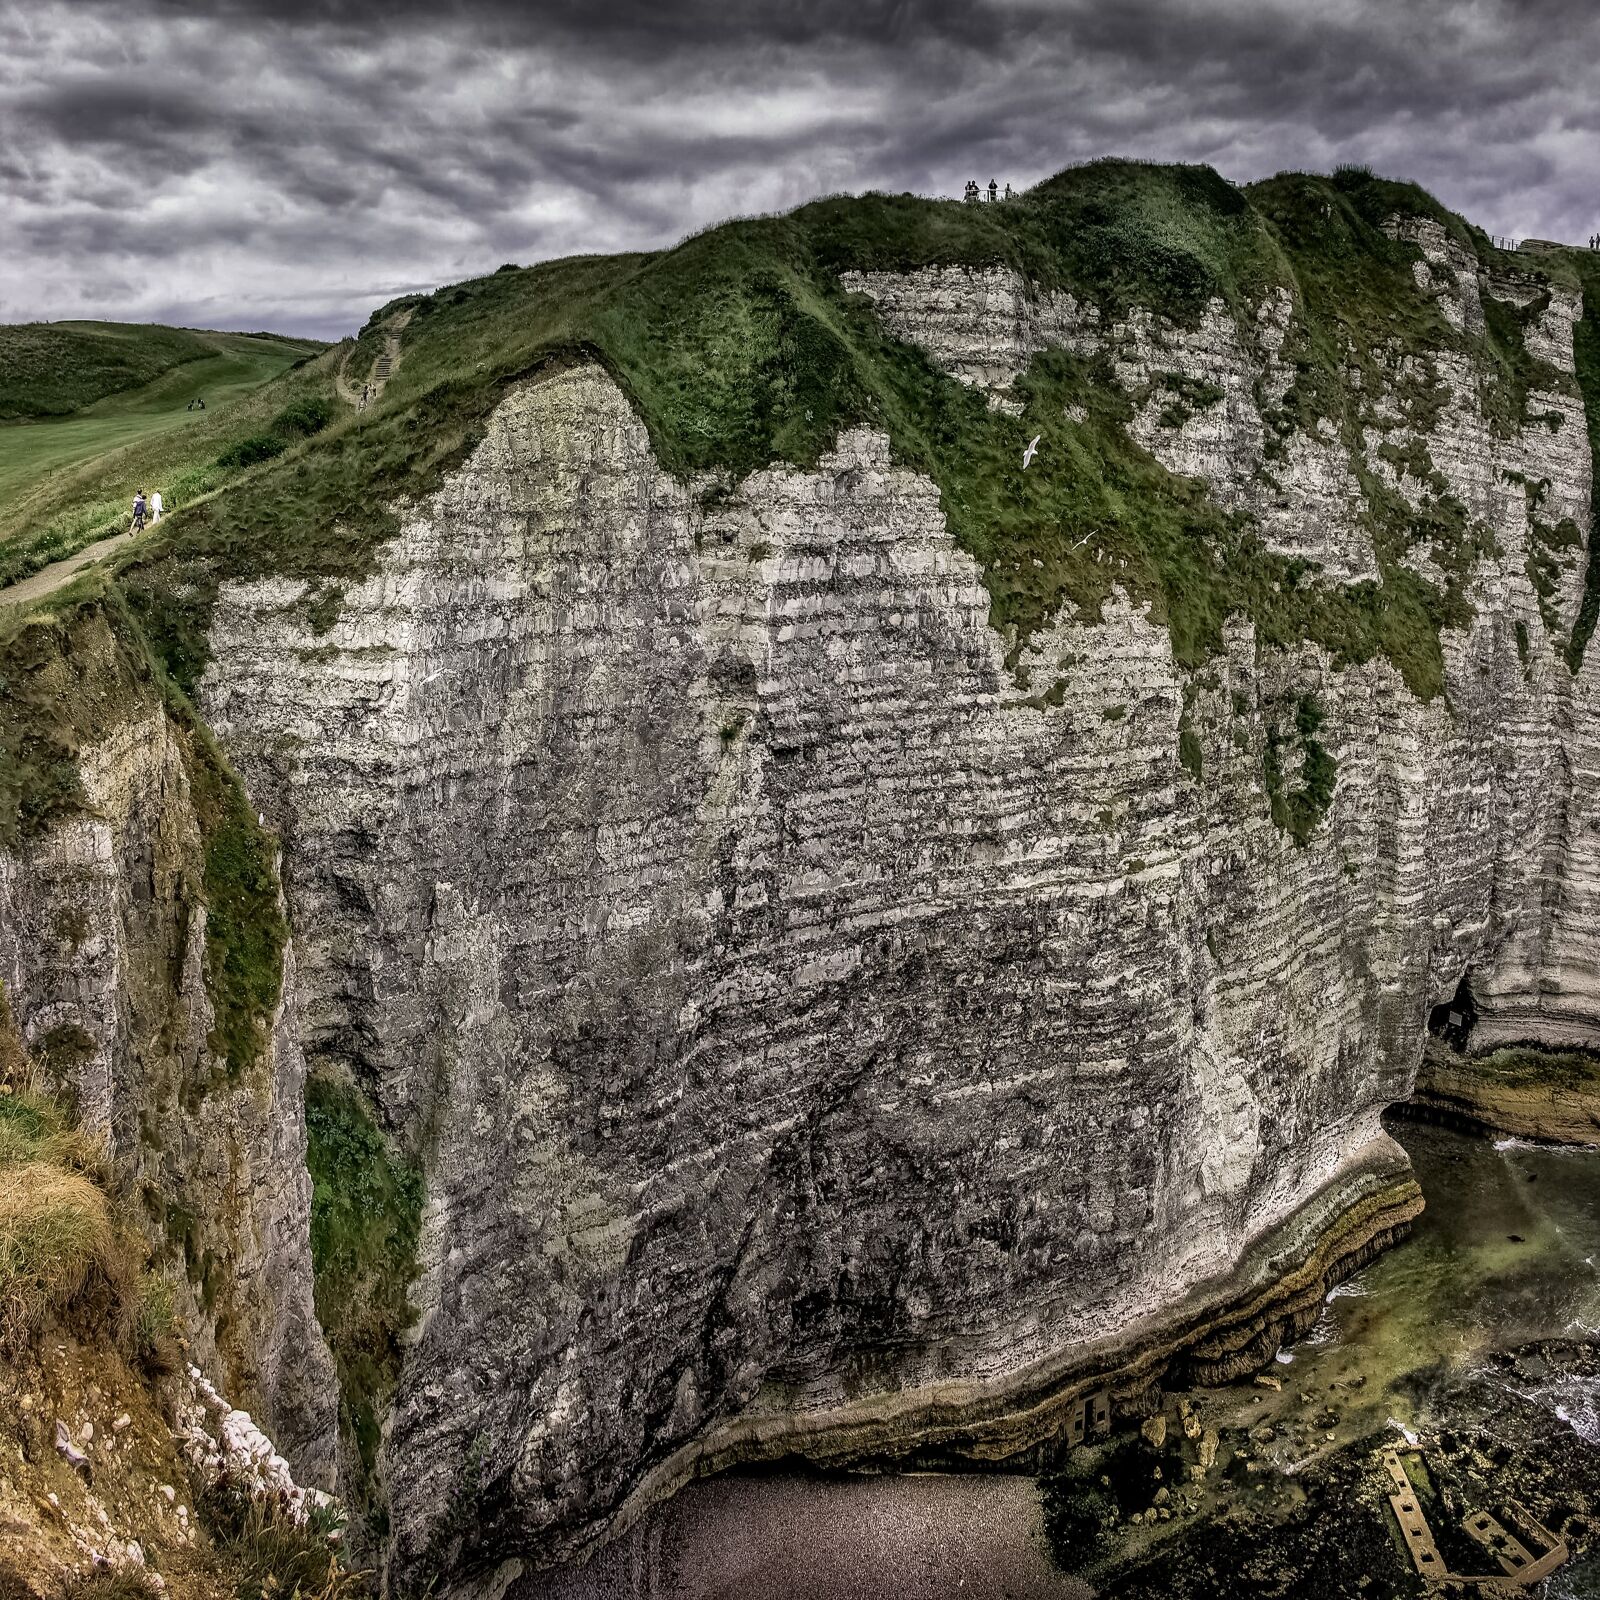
[(809, 1037), (102, 941)]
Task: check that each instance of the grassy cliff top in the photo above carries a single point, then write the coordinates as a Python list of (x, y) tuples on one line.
[(740, 347)]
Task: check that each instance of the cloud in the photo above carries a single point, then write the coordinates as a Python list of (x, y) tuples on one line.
[(289, 163)]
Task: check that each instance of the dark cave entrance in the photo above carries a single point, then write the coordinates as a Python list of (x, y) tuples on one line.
[(1453, 1021)]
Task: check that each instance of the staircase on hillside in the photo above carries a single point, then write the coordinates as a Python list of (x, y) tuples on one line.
[(383, 368)]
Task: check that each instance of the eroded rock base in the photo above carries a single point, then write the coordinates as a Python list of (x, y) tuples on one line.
[(1220, 1333), (1527, 1093)]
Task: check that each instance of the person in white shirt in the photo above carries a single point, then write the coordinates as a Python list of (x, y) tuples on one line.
[(155, 508)]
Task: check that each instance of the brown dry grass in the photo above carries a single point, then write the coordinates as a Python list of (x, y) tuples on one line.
[(59, 1243), (56, 1236)]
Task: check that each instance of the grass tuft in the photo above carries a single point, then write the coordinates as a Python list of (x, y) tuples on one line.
[(55, 1232), (273, 1557)]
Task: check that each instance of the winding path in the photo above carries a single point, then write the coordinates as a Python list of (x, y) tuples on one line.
[(383, 368), (60, 573)]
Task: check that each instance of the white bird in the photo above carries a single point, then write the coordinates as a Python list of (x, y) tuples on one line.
[(439, 672), (1031, 451)]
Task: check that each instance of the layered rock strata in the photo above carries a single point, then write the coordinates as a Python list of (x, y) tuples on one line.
[(1556, 1106), (813, 1041)]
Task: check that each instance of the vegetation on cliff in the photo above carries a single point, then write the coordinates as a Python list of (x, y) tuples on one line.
[(68, 680), (245, 929), (56, 1234), (1586, 360), (1298, 809), (366, 1217), (64, 1250)]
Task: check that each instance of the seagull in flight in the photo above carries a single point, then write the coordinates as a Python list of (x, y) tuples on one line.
[(438, 672), (1031, 451)]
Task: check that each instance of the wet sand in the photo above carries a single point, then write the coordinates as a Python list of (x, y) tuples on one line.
[(790, 1537)]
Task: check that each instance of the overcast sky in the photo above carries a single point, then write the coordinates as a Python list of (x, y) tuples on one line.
[(290, 165)]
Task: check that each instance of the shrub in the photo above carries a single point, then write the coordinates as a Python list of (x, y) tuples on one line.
[(258, 447), (306, 416)]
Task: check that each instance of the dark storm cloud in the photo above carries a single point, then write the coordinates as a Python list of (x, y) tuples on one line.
[(293, 163)]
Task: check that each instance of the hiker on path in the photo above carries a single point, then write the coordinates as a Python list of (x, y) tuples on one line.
[(138, 513), (155, 508)]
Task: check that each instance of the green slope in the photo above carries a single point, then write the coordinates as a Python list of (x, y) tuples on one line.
[(51, 369), (66, 479), (231, 365)]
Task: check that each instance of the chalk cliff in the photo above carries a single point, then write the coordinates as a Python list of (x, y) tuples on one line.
[(828, 1019), (102, 953), (820, 1044)]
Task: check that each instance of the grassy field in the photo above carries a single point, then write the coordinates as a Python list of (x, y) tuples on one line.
[(51, 369), (65, 480), (236, 364)]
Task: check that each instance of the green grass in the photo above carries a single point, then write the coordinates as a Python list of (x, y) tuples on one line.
[(65, 480), (366, 1216), (230, 367), (50, 369)]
